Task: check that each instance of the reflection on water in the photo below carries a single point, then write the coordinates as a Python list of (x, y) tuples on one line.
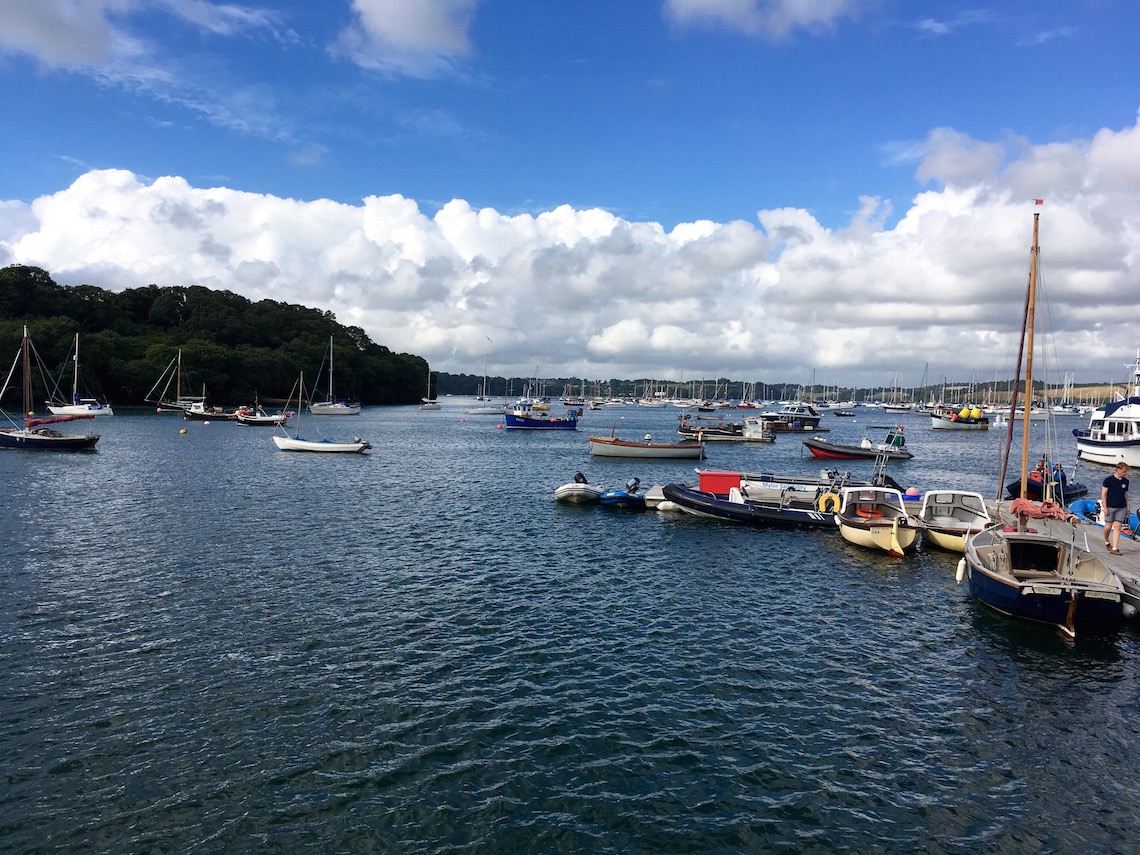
[(209, 644)]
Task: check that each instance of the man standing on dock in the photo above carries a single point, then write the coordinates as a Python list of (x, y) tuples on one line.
[(1114, 502)]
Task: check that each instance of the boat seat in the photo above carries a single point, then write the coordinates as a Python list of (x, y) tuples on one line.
[(1035, 574)]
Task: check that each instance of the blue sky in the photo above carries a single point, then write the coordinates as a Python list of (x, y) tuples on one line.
[(613, 189)]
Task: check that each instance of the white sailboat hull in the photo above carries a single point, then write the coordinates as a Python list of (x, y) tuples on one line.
[(334, 408), (290, 443), (81, 410)]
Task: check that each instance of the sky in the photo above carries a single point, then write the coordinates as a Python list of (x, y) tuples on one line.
[(768, 190)]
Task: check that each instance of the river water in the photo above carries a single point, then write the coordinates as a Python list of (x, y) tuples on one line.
[(213, 646)]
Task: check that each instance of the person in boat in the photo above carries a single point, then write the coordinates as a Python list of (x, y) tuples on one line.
[(1059, 476), (1114, 500)]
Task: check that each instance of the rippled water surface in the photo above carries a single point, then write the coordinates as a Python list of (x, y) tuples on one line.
[(212, 646)]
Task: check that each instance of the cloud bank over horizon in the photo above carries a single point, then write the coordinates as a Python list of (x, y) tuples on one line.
[(585, 293)]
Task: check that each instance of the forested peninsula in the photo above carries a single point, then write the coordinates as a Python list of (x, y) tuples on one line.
[(236, 348)]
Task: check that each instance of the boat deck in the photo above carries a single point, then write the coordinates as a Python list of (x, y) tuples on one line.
[(1126, 566)]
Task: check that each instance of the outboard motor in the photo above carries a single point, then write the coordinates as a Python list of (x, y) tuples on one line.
[(579, 478)]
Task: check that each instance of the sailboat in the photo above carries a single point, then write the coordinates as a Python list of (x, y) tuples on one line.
[(36, 435), (79, 406), (295, 442), (172, 375), (1039, 573), (428, 402), (486, 410), (334, 406)]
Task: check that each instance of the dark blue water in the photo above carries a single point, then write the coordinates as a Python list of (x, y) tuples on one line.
[(212, 646)]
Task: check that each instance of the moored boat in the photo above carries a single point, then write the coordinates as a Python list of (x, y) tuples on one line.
[(949, 517), (1039, 573), (714, 430), (789, 509), (893, 448), (1089, 511), (1113, 434), (963, 418), (523, 416), (256, 416), (611, 446), (876, 517), (79, 406), (794, 417), (333, 406), (295, 442), (199, 412), (757, 429), (626, 497), (172, 377), (36, 434), (579, 491), (1047, 483)]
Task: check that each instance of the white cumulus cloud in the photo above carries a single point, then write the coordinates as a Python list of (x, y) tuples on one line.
[(587, 293), (772, 18)]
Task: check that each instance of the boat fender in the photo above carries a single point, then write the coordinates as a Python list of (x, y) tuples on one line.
[(1128, 610), (961, 574), (828, 503)]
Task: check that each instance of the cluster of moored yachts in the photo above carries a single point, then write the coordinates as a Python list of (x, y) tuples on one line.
[(1027, 559)]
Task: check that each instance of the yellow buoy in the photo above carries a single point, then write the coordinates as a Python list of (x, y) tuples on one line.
[(183, 430)]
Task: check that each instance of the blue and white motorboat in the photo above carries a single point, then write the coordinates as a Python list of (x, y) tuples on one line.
[(524, 416), (626, 497), (1113, 434)]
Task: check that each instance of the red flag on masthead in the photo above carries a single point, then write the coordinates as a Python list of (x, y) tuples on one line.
[(1038, 201)]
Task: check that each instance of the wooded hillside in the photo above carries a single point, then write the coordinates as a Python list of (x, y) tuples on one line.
[(236, 347)]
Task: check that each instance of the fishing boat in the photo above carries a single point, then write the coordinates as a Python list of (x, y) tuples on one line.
[(959, 418), (295, 442), (523, 416), (876, 517), (256, 416), (1042, 572), (79, 406), (1113, 434), (949, 517), (894, 447), (579, 491), (36, 434), (333, 406), (612, 446), (199, 412), (709, 430), (757, 429), (172, 376)]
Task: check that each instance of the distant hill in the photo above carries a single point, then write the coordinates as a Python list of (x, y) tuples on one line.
[(235, 347)]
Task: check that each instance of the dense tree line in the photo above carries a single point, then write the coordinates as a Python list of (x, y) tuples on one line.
[(236, 347)]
